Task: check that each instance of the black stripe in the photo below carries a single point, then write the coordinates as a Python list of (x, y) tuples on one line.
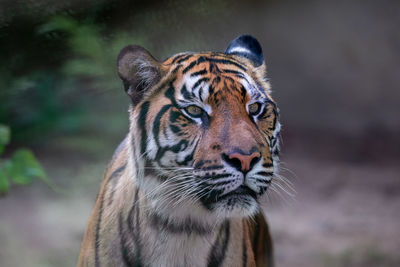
[(186, 160), (265, 173), (275, 119), (199, 164), (201, 60), (188, 226), (243, 92), (268, 165), (213, 68), (156, 124), (135, 231), (227, 62), (183, 59), (149, 169), (214, 84), (127, 256), (263, 114), (244, 249), (170, 93), (200, 94), (182, 145), (256, 233), (263, 181), (236, 73), (227, 78), (200, 72), (97, 236), (262, 189), (189, 67), (199, 81), (176, 130), (189, 157), (177, 57), (175, 70), (175, 115), (142, 124), (220, 246), (185, 93)]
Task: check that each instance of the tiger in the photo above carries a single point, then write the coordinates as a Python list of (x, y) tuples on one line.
[(186, 185)]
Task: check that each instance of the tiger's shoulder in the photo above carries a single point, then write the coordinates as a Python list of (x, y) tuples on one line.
[(109, 190)]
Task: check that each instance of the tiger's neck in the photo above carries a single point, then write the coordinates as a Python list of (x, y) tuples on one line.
[(152, 234), (159, 239)]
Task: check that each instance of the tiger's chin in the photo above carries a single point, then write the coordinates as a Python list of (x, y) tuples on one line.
[(241, 202), (236, 207)]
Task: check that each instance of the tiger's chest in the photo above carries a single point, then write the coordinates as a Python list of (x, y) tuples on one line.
[(222, 248), (165, 249)]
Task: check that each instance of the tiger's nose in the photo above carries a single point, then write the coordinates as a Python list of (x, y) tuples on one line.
[(243, 162)]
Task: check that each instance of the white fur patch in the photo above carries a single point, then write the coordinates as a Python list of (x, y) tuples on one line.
[(239, 49)]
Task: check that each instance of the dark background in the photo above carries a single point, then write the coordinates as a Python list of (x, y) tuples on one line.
[(335, 73)]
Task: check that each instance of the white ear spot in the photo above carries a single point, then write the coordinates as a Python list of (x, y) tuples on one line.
[(239, 49)]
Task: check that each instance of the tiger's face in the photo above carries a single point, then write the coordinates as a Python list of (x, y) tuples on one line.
[(205, 128)]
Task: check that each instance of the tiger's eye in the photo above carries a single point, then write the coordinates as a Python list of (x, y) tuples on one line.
[(254, 108), (194, 111)]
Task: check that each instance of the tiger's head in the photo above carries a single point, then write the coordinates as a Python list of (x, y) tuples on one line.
[(204, 128)]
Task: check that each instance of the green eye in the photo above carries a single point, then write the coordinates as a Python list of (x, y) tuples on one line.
[(194, 111), (254, 109)]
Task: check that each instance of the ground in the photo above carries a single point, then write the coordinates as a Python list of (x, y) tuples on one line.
[(343, 213)]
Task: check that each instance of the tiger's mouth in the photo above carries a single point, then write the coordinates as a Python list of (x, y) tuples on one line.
[(239, 196), (241, 191)]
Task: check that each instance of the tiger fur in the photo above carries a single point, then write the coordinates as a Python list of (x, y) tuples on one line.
[(184, 187)]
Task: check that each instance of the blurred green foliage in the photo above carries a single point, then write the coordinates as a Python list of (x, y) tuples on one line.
[(93, 57), (21, 168), (43, 99), (35, 104)]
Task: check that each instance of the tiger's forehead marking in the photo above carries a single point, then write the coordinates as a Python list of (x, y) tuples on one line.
[(207, 78)]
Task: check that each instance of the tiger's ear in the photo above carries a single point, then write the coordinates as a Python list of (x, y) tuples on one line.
[(138, 70), (247, 46)]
